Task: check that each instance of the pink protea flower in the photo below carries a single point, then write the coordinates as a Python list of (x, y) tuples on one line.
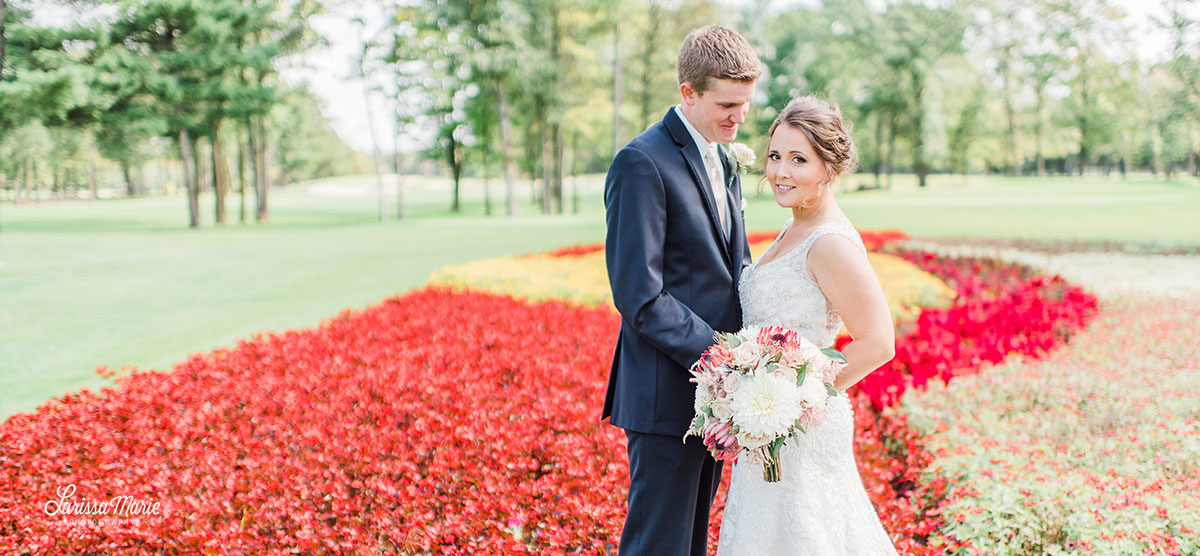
[(719, 436)]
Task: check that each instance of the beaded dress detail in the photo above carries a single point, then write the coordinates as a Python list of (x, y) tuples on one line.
[(819, 507)]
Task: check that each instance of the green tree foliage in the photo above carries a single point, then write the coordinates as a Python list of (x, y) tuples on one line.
[(198, 72), (539, 89), (308, 147)]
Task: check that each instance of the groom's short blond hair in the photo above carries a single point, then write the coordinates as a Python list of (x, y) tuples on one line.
[(715, 52)]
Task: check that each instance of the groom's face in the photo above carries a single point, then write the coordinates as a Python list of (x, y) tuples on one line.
[(717, 112)]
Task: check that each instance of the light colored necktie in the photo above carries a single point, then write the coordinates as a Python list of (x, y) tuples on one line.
[(712, 163)]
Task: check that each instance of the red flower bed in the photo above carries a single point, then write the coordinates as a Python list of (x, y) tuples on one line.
[(451, 423), (438, 422), (576, 250), (1001, 309)]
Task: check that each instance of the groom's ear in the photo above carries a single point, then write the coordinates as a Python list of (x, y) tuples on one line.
[(688, 93)]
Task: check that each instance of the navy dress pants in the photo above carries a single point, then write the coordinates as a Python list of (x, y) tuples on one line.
[(671, 490)]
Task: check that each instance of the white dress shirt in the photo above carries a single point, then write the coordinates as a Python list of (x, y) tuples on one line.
[(709, 153)]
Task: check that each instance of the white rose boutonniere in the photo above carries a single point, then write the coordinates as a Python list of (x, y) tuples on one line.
[(743, 157)]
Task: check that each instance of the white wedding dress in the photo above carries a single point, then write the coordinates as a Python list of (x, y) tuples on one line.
[(819, 507)]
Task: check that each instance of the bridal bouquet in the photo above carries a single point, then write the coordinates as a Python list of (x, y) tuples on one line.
[(758, 387)]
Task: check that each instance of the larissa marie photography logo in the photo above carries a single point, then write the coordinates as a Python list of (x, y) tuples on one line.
[(115, 507)]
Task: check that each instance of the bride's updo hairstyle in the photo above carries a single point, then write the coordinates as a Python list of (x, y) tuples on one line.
[(821, 121)]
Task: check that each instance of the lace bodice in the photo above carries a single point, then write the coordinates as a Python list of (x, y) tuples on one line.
[(782, 292)]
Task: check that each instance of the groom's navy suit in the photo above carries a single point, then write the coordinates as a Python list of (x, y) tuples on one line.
[(674, 274)]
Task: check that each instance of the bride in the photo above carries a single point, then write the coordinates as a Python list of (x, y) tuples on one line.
[(814, 277)]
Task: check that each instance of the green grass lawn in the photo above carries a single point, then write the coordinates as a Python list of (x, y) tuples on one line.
[(124, 282), (1145, 211)]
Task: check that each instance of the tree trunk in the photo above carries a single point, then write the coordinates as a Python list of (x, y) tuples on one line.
[(1192, 169), (878, 166), (510, 170), (918, 124), (1037, 133), (401, 209), (1126, 156), (1156, 145), (891, 148), (574, 174), (1082, 120), (33, 187), (487, 193), (241, 164), (3, 8), (556, 134), (253, 146), (165, 175), (125, 171), (92, 181), (376, 156), (1011, 116), (558, 168), (547, 192), (185, 151), (262, 180), (220, 173), (455, 170), (197, 177), (26, 180), (1083, 154)]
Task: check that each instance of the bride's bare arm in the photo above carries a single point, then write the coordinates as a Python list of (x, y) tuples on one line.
[(847, 279)]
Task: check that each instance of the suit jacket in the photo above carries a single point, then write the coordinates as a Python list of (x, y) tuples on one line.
[(673, 274)]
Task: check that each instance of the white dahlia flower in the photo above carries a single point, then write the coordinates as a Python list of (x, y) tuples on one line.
[(768, 404)]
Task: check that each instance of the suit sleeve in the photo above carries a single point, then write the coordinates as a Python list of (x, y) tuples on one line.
[(635, 204)]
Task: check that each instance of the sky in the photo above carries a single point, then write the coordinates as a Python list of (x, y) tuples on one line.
[(330, 73)]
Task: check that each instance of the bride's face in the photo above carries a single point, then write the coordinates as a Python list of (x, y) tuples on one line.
[(794, 170)]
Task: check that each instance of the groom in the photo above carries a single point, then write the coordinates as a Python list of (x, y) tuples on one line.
[(675, 248)]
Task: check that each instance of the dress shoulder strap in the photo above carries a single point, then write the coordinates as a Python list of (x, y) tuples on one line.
[(844, 229)]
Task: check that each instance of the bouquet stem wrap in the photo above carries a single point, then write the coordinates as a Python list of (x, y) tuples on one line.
[(772, 471)]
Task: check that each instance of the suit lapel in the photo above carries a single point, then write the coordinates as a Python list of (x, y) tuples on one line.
[(737, 224), (700, 178)]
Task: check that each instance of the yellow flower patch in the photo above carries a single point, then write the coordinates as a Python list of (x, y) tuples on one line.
[(909, 289), (583, 280), (579, 280)]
